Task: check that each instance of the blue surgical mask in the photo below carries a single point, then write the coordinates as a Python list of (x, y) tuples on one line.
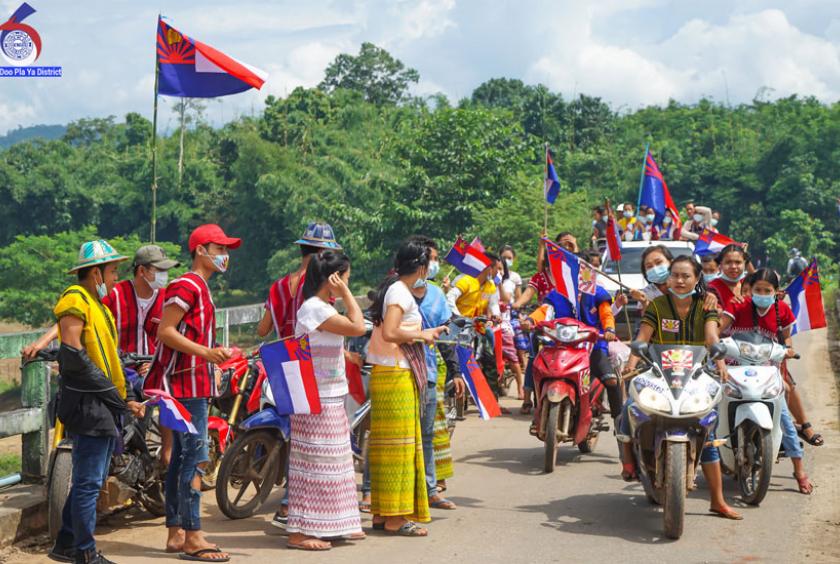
[(509, 263), (733, 280), (102, 290), (666, 220), (628, 214), (683, 296), (658, 274), (698, 217), (712, 276), (714, 222), (419, 283), (651, 217), (434, 269), (762, 301), (161, 278)]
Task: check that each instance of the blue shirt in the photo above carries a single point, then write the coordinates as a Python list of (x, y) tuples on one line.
[(586, 313), (435, 312)]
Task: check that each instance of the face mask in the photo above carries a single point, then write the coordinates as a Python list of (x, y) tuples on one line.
[(658, 274), (628, 214), (698, 217), (159, 283), (733, 280), (682, 296), (708, 277), (434, 268), (650, 218), (419, 283), (666, 220), (220, 262), (509, 263), (714, 222), (102, 290), (762, 301)]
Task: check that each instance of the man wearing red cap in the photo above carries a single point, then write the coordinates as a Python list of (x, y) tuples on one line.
[(184, 366)]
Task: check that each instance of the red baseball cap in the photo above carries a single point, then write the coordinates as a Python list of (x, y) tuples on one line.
[(211, 233)]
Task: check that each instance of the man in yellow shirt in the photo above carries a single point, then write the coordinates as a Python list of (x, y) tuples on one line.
[(473, 296), (92, 395)]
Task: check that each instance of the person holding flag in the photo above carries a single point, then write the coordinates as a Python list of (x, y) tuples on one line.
[(699, 218), (654, 194), (669, 229), (184, 366)]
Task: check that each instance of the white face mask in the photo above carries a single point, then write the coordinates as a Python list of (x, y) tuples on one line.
[(220, 262), (101, 290), (509, 263), (161, 278)]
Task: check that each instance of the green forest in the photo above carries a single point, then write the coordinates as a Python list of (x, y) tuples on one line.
[(360, 152)]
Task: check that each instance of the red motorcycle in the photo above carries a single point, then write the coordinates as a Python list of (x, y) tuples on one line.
[(569, 406), (242, 379)]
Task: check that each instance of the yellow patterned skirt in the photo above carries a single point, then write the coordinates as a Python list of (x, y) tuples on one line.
[(443, 450), (397, 474)]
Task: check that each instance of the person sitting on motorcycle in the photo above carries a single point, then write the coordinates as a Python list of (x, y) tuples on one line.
[(762, 311), (656, 261), (679, 318), (92, 395)]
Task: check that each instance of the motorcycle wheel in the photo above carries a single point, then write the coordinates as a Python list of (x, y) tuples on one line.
[(248, 473), (754, 475), (153, 498), (210, 477), (61, 472), (674, 489), (551, 436)]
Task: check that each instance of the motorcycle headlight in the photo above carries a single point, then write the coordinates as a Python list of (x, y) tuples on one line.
[(566, 333), (652, 400), (696, 403), (773, 390), (732, 391)]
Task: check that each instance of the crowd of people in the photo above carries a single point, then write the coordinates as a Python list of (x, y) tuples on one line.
[(409, 457)]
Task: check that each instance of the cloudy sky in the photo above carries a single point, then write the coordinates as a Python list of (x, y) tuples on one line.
[(630, 52)]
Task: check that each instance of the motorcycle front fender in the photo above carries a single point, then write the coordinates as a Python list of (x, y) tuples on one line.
[(556, 391), (756, 412), (222, 428), (268, 419)]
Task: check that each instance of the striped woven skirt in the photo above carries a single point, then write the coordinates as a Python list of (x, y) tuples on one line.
[(443, 451), (395, 455), (322, 483)]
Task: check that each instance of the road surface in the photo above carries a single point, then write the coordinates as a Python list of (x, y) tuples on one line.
[(511, 512)]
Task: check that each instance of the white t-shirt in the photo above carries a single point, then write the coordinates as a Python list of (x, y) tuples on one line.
[(327, 348), (517, 280), (143, 304), (389, 354)]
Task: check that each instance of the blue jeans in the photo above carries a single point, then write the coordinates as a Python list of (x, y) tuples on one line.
[(427, 427), (790, 440), (183, 501), (91, 460)]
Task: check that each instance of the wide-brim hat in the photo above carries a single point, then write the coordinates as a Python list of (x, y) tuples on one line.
[(319, 235), (96, 253)]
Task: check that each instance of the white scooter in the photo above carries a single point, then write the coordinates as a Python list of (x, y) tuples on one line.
[(750, 412)]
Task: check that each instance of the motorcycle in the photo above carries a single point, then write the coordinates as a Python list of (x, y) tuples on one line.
[(255, 462), (359, 414), (673, 413), (751, 411), (242, 377), (134, 475), (569, 405)]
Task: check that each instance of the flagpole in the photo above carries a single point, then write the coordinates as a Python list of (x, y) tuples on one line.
[(545, 201), (642, 178), (154, 144), (610, 216), (602, 273)]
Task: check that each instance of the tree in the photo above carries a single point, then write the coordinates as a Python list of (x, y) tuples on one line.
[(381, 78)]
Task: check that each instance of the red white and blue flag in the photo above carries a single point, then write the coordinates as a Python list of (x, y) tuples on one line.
[(613, 240), (711, 243), (467, 259), (806, 300), (191, 69), (565, 269), (288, 367), (552, 182), (654, 193), (480, 391), (477, 244), (172, 413)]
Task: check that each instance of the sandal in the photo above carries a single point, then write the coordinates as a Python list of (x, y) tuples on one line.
[(310, 545), (199, 555), (527, 408), (805, 485), (409, 529), (728, 514), (364, 507), (814, 440), (442, 503), (628, 472), (441, 486)]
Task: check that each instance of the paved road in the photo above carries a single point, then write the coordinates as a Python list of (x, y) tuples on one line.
[(511, 512)]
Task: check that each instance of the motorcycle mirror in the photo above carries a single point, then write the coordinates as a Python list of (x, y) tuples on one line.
[(718, 351), (641, 349)]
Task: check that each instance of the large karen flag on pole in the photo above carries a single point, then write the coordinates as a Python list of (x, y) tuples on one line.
[(654, 193), (191, 69)]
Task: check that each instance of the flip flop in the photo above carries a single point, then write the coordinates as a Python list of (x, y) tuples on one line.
[(735, 516), (197, 556), (442, 503), (408, 529)]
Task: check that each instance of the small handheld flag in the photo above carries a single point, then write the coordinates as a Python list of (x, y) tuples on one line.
[(565, 269), (354, 382), (552, 182), (654, 193), (588, 281), (497, 351), (172, 413), (711, 243), (466, 258), (481, 394), (477, 244), (191, 69), (288, 366), (613, 240), (806, 300)]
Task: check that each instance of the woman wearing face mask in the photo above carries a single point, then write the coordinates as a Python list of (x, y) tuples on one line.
[(627, 223), (507, 292), (668, 231), (655, 263), (322, 484), (713, 224), (711, 271), (763, 312), (645, 231), (733, 261), (699, 217), (682, 309), (398, 380)]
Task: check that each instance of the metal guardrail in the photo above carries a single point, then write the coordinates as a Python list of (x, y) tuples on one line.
[(31, 421)]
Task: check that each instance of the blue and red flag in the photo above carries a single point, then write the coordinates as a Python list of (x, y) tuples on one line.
[(552, 182), (288, 367), (711, 243), (467, 259), (654, 193), (191, 69), (806, 300), (171, 413), (613, 240), (480, 391), (565, 269)]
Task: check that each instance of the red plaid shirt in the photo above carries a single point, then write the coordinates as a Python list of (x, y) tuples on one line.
[(136, 329), (183, 375), (284, 306)]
